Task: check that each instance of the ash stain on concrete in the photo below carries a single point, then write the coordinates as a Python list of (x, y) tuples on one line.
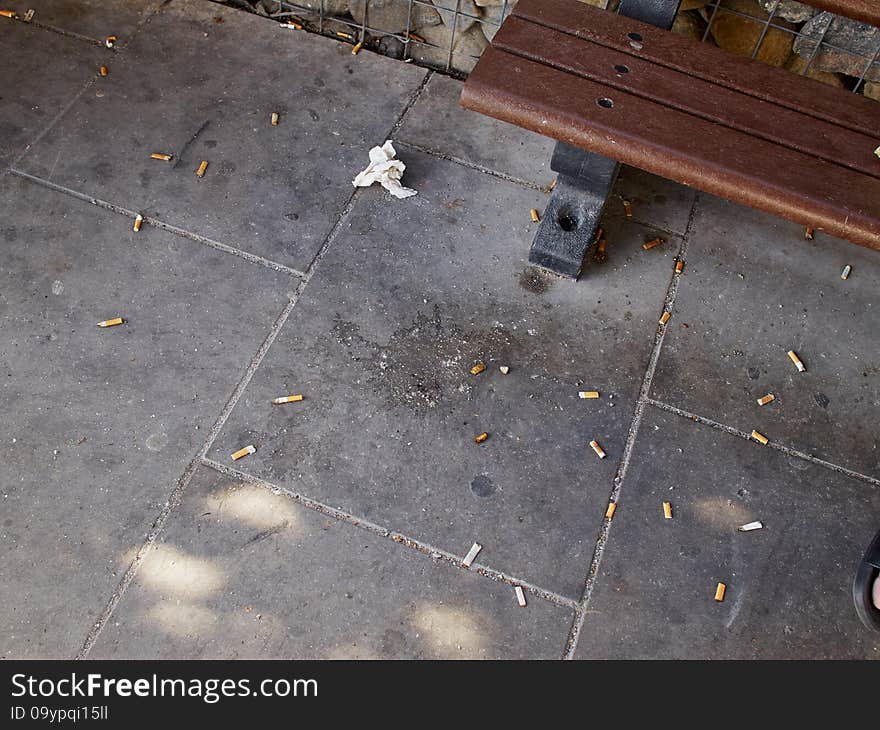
[(427, 362), (535, 280)]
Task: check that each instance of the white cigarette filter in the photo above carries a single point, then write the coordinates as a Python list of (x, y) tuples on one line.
[(472, 553), (241, 453), (749, 526), (520, 596)]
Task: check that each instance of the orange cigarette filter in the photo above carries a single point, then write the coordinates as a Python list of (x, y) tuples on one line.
[(111, 322), (764, 400), (628, 208), (796, 360), (667, 510), (760, 438), (679, 266), (482, 437), (241, 453), (665, 318), (138, 221), (287, 399), (103, 71), (612, 508), (719, 592), (161, 156), (478, 368), (600, 452), (535, 216), (652, 244)]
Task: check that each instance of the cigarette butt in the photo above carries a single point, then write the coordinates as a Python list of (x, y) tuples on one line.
[(478, 368), (535, 217), (161, 156), (472, 553), (110, 41), (29, 15), (749, 526), (602, 245), (665, 318), (274, 119), (796, 360), (598, 449), (416, 37), (8, 14), (520, 596), (808, 233), (846, 272), (760, 438), (628, 208), (482, 437), (679, 266), (719, 592), (241, 453), (347, 36), (287, 399), (667, 510), (612, 508), (504, 369), (357, 48), (877, 152), (764, 400), (653, 243), (103, 71), (202, 167), (552, 184), (111, 322), (588, 394), (296, 26), (138, 220)]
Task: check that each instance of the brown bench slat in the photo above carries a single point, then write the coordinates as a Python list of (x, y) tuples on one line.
[(706, 62), (708, 101), (867, 11), (677, 146)]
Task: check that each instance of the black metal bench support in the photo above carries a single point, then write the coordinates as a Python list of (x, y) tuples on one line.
[(584, 182)]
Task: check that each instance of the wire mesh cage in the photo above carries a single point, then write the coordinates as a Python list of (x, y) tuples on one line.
[(450, 35)]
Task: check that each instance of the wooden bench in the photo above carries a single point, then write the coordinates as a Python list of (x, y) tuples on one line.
[(613, 89)]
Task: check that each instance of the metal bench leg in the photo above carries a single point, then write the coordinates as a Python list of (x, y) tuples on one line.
[(585, 180), (572, 214)]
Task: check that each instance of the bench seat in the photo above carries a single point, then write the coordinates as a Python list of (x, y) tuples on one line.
[(687, 111)]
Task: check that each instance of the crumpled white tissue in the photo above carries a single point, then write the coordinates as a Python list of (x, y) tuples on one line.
[(384, 169)]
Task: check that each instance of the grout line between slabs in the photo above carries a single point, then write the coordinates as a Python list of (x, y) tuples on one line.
[(632, 434), (787, 450), (157, 223), (393, 535), (176, 495)]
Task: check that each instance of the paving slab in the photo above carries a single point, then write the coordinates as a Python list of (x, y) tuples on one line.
[(241, 572), (186, 86), (104, 421), (407, 299), (92, 19), (788, 585), (753, 289), (438, 123), (42, 73)]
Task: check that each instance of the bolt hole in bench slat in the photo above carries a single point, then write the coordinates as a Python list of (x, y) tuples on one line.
[(692, 113)]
